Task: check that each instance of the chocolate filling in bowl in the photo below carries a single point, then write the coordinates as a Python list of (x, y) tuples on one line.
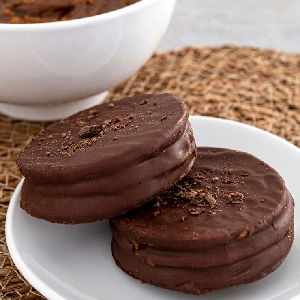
[(40, 11)]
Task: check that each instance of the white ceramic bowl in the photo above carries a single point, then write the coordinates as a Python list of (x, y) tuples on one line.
[(51, 70)]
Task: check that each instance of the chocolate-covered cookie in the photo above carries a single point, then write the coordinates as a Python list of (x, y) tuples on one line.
[(106, 160), (229, 221)]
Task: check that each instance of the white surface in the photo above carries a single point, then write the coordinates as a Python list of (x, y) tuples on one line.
[(50, 112), (74, 261), (273, 24), (71, 60)]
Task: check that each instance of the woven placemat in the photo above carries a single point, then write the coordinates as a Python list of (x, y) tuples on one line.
[(253, 86)]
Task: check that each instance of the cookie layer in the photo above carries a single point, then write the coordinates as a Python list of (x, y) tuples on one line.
[(107, 160), (229, 221)]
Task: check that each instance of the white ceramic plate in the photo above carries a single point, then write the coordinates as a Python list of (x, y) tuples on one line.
[(74, 261)]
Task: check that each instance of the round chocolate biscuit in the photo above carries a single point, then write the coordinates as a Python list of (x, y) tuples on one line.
[(229, 221), (106, 160)]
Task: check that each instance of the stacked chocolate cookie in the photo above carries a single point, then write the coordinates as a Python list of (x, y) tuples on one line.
[(107, 160), (181, 223), (229, 221)]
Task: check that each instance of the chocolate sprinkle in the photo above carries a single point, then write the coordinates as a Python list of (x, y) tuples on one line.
[(235, 198)]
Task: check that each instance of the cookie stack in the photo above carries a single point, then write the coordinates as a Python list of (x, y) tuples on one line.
[(107, 160), (228, 222), (186, 219)]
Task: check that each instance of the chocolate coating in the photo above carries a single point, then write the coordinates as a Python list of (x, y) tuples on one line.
[(40, 11), (229, 221), (107, 159)]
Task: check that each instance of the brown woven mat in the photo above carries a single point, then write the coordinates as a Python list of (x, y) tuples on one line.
[(253, 86)]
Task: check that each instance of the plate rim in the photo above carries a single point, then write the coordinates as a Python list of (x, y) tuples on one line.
[(34, 280)]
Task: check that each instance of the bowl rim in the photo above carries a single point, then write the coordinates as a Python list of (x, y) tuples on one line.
[(131, 9)]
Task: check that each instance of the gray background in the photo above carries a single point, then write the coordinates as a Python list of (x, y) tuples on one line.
[(272, 24)]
